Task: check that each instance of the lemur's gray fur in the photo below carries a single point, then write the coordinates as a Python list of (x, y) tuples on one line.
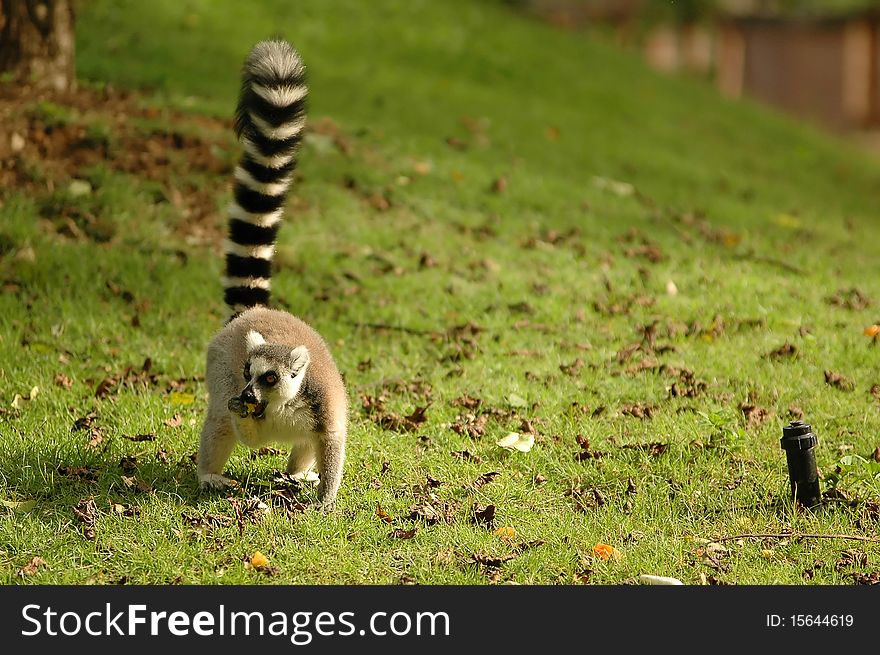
[(269, 375)]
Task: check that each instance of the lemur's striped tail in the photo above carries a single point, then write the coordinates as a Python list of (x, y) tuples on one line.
[(269, 122)]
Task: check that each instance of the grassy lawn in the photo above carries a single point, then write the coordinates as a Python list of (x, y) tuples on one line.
[(520, 229)]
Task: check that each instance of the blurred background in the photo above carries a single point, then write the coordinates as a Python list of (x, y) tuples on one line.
[(817, 59)]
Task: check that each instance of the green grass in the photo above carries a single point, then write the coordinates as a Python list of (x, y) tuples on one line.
[(757, 221)]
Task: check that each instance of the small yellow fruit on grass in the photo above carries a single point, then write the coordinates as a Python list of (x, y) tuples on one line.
[(258, 560), (506, 532), (606, 552)]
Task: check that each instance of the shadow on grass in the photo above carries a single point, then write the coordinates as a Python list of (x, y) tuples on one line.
[(80, 489)]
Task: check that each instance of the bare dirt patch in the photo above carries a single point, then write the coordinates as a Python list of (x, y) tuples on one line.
[(48, 139)]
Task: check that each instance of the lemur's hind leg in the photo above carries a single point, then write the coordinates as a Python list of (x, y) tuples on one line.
[(218, 440), (302, 459)]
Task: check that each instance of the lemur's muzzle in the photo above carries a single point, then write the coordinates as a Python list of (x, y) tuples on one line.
[(247, 404)]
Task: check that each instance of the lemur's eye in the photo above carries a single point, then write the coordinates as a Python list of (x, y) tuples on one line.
[(247, 372), (270, 378)]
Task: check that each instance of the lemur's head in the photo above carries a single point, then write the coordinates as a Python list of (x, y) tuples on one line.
[(273, 375)]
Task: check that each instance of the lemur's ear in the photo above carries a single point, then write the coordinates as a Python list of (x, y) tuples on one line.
[(299, 359), (253, 339)]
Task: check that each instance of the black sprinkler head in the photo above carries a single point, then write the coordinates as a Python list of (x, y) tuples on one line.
[(799, 443)]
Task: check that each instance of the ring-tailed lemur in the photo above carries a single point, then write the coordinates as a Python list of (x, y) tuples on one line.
[(270, 376)]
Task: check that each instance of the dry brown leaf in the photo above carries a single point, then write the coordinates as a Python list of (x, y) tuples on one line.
[(31, 567), (383, 515)]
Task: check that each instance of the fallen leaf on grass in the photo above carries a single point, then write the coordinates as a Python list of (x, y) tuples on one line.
[(622, 189), (383, 515), (470, 426), (517, 441), (201, 525), (432, 483), (483, 515), (19, 505), (84, 422), (174, 422), (179, 398), (63, 381), (467, 456), (87, 512), (810, 572), (872, 331), (128, 463), (638, 410), (687, 385), (654, 449), (418, 416), (583, 577), (491, 561), (852, 557), (484, 479), (468, 402), (754, 414), (586, 452), (859, 578), (251, 509), (645, 364), (87, 473), (132, 482), (95, 433), (285, 499), (785, 351), (649, 251), (573, 368), (125, 510), (586, 499), (31, 567), (713, 580), (401, 533), (140, 437), (432, 509), (838, 381), (105, 386), (852, 299)]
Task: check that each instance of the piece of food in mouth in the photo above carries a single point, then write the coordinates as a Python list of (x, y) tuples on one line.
[(251, 407)]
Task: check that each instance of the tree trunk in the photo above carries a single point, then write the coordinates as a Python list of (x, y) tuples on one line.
[(37, 42)]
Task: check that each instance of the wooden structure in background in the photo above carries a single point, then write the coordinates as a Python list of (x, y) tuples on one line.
[(826, 69)]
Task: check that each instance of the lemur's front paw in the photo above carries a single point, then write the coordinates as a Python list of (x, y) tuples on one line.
[(325, 502), (212, 481), (236, 406), (325, 506)]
